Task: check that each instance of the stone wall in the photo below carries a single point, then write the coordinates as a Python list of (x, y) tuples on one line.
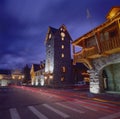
[(96, 79)]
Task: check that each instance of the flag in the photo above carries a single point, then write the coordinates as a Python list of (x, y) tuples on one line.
[(88, 14)]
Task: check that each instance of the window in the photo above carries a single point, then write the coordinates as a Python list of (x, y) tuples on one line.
[(62, 55), (62, 78), (62, 38), (63, 69), (62, 46)]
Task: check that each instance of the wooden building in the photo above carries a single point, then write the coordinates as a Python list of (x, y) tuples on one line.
[(100, 49)]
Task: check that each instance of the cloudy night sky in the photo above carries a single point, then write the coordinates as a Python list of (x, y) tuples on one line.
[(24, 24)]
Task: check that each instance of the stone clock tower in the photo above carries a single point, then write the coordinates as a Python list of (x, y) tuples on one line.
[(58, 57)]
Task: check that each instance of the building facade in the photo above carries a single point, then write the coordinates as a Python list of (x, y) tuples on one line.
[(37, 74), (5, 77), (100, 52), (58, 57), (17, 77)]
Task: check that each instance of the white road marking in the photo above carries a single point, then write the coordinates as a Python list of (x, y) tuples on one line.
[(70, 108), (112, 116), (87, 107), (56, 111), (14, 114), (98, 105), (37, 113)]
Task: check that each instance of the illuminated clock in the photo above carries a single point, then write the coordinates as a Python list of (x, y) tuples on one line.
[(50, 36), (62, 34)]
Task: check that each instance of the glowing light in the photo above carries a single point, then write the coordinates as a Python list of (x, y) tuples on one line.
[(62, 38), (62, 78), (4, 82), (50, 76), (62, 55), (36, 82), (1, 76), (42, 82), (45, 77), (62, 46), (63, 69), (13, 77), (22, 76)]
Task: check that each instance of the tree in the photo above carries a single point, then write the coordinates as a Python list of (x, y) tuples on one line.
[(26, 71)]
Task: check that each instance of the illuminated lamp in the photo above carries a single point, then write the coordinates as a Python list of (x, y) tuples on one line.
[(42, 82), (1, 76), (13, 77), (45, 77), (50, 76)]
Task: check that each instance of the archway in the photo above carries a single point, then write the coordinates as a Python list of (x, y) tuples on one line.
[(111, 77)]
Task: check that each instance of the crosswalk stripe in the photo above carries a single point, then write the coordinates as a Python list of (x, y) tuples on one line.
[(85, 106), (64, 115), (70, 108), (37, 113), (14, 114), (94, 104), (112, 116)]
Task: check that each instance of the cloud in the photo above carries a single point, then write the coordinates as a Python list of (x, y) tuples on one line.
[(24, 24)]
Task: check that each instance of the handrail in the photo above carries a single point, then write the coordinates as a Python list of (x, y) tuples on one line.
[(106, 45)]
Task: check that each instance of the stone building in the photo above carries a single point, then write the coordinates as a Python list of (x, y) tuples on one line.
[(58, 57), (37, 74), (100, 52)]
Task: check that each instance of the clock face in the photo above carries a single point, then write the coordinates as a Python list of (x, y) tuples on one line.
[(50, 36), (63, 34)]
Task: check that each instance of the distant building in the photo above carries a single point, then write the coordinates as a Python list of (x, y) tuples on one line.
[(5, 77), (37, 74), (100, 52), (58, 57), (17, 77)]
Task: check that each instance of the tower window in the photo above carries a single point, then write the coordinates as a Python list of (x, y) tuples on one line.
[(63, 69), (62, 46), (62, 38), (62, 78), (62, 55)]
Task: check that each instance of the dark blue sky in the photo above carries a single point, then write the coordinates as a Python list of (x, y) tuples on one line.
[(24, 24)]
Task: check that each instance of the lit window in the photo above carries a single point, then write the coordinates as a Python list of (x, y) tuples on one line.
[(63, 69), (62, 55), (62, 46), (62, 38), (62, 78)]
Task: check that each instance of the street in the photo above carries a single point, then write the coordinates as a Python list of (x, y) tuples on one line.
[(20, 102)]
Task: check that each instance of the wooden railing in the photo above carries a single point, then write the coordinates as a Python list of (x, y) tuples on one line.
[(110, 44), (85, 53), (106, 45)]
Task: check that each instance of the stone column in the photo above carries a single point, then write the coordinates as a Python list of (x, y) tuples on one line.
[(94, 81)]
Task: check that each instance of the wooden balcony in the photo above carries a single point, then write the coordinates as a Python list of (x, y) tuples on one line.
[(107, 47), (111, 46)]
